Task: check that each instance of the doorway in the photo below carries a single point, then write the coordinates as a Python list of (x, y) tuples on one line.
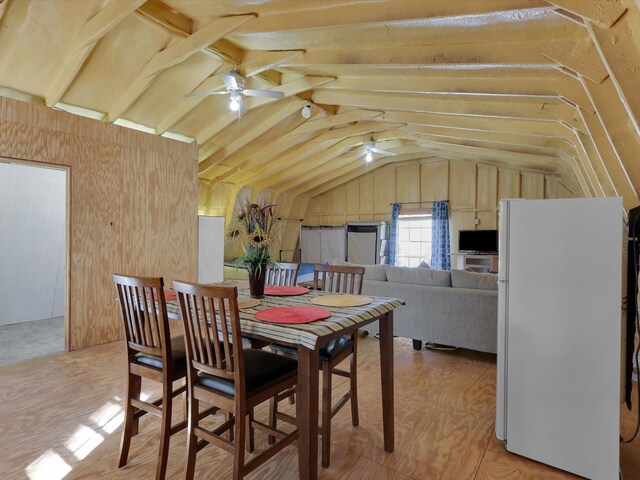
[(33, 258)]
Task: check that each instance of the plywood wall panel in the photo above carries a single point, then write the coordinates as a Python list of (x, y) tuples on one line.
[(408, 183), (487, 219), (508, 183), (353, 199), (532, 186), (434, 181), (475, 190), (133, 206), (366, 194), (384, 187), (339, 199), (486, 192), (462, 185)]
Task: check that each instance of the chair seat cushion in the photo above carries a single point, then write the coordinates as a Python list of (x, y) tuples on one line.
[(328, 352), (178, 356), (262, 371)]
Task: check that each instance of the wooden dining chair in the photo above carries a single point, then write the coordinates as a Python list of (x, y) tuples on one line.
[(226, 375), (151, 354), (282, 275), (335, 279)]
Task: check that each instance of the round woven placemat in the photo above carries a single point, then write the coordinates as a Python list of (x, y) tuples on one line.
[(342, 300), (292, 314), (285, 291), (244, 303)]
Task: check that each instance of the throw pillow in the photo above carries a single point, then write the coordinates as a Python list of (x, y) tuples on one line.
[(424, 265), (474, 280), (419, 276)]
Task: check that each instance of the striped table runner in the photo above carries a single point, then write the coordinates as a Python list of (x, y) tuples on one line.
[(303, 334)]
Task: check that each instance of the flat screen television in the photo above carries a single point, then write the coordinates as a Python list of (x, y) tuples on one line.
[(478, 241)]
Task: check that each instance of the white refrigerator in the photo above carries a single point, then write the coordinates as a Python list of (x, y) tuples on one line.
[(559, 332)]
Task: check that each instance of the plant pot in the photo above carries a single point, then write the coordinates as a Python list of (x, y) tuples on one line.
[(256, 284)]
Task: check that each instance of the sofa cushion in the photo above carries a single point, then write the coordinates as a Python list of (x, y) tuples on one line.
[(371, 272), (424, 265), (475, 280), (419, 276)]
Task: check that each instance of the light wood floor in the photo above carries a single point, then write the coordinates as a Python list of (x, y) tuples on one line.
[(61, 416)]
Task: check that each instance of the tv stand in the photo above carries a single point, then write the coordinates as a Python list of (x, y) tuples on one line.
[(481, 263)]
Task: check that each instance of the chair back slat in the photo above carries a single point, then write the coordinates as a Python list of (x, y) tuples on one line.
[(212, 329), (144, 313), (282, 275), (338, 278)]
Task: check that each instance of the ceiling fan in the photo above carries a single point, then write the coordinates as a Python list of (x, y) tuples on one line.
[(234, 86), (370, 149)]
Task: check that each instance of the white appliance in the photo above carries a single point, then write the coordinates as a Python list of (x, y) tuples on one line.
[(323, 243), (367, 242), (559, 331), (210, 249)]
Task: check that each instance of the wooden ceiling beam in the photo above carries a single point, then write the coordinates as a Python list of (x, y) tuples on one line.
[(314, 155), (332, 160), (246, 162), (495, 124), (174, 54), (514, 139), (167, 17), (546, 84), (621, 56), (360, 128), (582, 58), (603, 13), (352, 15), (4, 7), (257, 62), (179, 51), (475, 107), (336, 120), (211, 83), (599, 137), (290, 89), (613, 117), (84, 42), (254, 124), (442, 56)]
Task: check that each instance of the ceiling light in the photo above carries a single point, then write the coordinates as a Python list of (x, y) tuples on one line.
[(368, 157), (306, 111), (234, 102)]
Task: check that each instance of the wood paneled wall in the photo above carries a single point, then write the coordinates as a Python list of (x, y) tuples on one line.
[(473, 190), (133, 206), (222, 198)]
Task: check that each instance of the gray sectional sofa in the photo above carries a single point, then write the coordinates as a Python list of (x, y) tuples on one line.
[(457, 308)]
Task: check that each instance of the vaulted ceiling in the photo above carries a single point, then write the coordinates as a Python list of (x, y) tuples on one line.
[(550, 86)]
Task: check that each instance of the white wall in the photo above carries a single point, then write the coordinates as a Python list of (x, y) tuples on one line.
[(32, 242)]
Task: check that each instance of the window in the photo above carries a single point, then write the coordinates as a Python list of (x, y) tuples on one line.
[(414, 239)]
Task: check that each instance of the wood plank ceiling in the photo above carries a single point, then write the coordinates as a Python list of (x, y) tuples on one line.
[(549, 86)]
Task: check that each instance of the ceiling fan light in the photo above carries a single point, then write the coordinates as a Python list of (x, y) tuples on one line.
[(368, 157), (234, 102)]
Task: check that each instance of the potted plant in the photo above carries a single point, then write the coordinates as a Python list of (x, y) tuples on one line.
[(253, 226)]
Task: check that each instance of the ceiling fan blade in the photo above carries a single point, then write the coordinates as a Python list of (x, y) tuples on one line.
[(205, 94), (361, 155), (383, 152), (230, 82), (263, 93)]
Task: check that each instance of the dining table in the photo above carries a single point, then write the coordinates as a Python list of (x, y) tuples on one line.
[(308, 338)]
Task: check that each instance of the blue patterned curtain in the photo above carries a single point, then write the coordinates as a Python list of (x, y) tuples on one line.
[(393, 235), (440, 249)]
